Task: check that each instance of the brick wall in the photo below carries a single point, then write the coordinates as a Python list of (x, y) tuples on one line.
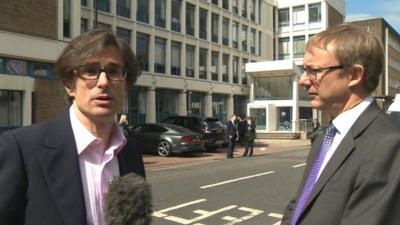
[(30, 17)]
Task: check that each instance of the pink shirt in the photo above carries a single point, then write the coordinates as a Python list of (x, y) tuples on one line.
[(98, 166)]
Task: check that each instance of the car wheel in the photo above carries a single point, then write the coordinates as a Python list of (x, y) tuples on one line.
[(164, 148)]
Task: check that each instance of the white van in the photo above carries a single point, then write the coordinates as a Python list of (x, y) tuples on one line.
[(394, 108)]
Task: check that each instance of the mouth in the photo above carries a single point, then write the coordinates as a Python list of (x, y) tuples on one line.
[(103, 99)]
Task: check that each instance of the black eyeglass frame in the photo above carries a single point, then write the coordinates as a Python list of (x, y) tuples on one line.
[(106, 69), (312, 73)]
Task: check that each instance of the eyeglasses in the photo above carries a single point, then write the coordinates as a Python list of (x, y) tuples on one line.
[(313, 72), (93, 71)]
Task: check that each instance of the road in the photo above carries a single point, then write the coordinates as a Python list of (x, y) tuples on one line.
[(245, 191)]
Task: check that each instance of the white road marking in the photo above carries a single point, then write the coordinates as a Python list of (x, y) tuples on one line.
[(161, 213), (203, 214), (299, 165), (253, 213), (276, 215), (263, 149), (237, 179)]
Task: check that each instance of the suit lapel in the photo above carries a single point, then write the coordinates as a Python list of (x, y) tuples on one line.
[(60, 166), (344, 149)]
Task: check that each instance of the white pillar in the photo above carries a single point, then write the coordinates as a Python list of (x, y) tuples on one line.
[(208, 104), (230, 110), (182, 110)]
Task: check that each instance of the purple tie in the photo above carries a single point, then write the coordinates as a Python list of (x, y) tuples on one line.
[(312, 178)]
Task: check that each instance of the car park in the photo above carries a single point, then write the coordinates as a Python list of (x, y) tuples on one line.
[(212, 129), (166, 139)]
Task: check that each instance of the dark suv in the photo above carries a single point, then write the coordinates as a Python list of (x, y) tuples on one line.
[(212, 129)]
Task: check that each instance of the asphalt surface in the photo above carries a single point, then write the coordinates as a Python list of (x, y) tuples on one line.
[(262, 147)]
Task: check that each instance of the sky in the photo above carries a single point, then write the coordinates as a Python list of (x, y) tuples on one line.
[(388, 9)]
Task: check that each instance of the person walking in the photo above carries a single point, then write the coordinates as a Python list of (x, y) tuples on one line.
[(352, 171), (123, 124), (231, 134), (250, 136)]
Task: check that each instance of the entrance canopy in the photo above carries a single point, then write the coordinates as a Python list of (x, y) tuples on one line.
[(273, 68)]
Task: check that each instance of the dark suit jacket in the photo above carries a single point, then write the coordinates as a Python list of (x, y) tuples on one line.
[(230, 130), (40, 177), (361, 182)]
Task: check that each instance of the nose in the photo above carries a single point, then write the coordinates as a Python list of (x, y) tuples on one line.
[(103, 79), (303, 79)]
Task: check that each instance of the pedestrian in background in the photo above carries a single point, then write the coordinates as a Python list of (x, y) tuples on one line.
[(123, 124), (315, 124), (250, 136), (231, 134), (352, 172), (57, 171), (242, 129)]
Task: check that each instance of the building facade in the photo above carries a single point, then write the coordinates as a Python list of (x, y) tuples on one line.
[(281, 107), (192, 54), (389, 84)]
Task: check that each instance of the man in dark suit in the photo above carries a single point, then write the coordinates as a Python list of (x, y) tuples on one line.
[(231, 134), (352, 174), (57, 171)]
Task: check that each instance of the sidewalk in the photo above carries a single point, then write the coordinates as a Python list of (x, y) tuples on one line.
[(261, 147)]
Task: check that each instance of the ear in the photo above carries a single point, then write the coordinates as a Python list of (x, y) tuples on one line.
[(69, 88), (356, 75)]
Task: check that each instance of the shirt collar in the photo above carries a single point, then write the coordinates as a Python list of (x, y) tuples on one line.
[(345, 120), (83, 137)]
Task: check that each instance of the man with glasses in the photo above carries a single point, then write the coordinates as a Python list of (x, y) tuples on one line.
[(352, 175), (57, 171)]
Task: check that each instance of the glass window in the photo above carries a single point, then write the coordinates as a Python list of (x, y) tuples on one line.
[(252, 7), (225, 32), (244, 75), (167, 102), (215, 2), (214, 65), (219, 106), (235, 31), (190, 12), (196, 106), (159, 55), (84, 25), (137, 99), (84, 2), (103, 5), (235, 6), (260, 117), (314, 13), (214, 27), (283, 18), (244, 8), (299, 16), (67, 18), (142, 50), (142, 11), (273, 88), (124, 34), (253, 41), (17, 67), (203, 24), (259, 42), (283, 48), (298, 46), (2, 67), (225, 68), (244, 38), (11, 109), (175, 58), (235, 69), (240, 105), (160, 13), (284, 119), (225, 4), (40, 70), (176, 15), (190, 60), (124, 8), (203, 63)]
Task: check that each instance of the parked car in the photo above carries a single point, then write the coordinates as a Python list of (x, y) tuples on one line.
[(166, 139), (394, 108), (212, 129)]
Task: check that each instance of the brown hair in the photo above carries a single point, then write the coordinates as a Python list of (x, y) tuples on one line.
[(90, 44), (353, 45)]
